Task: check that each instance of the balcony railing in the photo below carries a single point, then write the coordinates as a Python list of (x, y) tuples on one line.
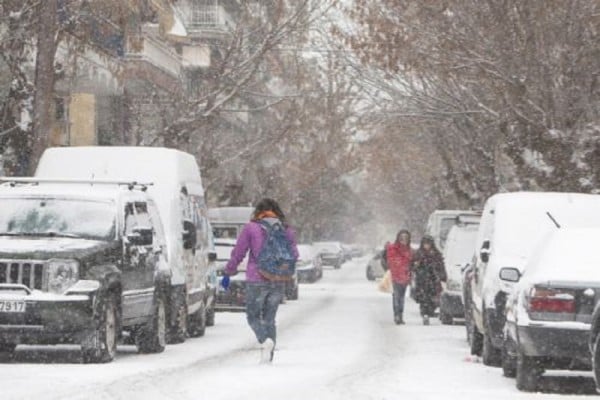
[(207, 18)]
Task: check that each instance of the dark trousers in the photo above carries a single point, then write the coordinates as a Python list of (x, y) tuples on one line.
[(262, 302), (427, 306), (398, 299)]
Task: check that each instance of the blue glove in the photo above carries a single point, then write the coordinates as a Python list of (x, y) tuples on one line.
[(225, 282)]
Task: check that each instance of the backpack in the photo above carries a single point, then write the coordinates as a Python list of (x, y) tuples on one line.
[(276, 261)]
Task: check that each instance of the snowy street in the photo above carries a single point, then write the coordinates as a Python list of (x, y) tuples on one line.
[(337, 342)]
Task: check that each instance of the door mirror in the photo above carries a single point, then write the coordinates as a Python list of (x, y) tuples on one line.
[(142, 236), (189, 235), (212, 256), (510, 274), (485, 251)]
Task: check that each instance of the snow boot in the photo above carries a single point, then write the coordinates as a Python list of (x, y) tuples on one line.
[(398, 320), (267, 351)]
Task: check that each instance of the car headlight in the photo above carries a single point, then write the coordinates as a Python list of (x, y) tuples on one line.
[(62, 274)]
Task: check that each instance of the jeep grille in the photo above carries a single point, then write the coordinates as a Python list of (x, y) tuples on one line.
[(28, 273)]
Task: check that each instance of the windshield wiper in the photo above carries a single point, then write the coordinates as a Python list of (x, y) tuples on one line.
[(42, 234)]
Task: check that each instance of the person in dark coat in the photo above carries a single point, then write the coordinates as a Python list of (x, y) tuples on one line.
[(429, 270)]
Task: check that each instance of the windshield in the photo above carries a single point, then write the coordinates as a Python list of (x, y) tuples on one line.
[(57, 218)]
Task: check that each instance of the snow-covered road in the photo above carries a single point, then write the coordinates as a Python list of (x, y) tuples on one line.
[(337, 342)]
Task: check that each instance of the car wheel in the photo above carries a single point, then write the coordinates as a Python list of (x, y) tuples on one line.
[(101, 346), (295, 293), (475, 340), (178, 331), (596, 361), (446, 319), (509, 362), (370, 275), (490, 355), (528, 373), (210, 314), (7, 349), (151, 337), (197, 325)]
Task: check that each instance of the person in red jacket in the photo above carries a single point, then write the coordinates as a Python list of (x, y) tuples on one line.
[(398, 257)]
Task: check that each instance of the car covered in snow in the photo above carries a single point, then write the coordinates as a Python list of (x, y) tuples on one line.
[(458, 253), (176, 187), (440, 222), (332, 253), (80, 263), (549, 312), (512, 225), (374, 268), (227, 222), (234, 297), (308, 266)]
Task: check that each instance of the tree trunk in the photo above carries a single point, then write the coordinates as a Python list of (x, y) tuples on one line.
[(44, 79)]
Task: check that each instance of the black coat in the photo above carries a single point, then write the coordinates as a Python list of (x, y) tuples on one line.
[(428, 268)]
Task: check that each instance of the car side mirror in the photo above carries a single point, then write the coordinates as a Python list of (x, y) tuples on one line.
[(510, 274), (212, 256), (189, 235), (142, 236)]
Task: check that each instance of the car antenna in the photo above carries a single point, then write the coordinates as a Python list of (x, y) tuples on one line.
[(553, 220)]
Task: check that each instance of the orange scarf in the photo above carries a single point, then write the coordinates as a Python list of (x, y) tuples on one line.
[(267, 214)]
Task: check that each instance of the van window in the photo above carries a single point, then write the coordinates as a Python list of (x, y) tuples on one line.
[(156, 222), (136, 216)]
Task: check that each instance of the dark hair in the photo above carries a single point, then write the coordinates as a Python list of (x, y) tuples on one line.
[(401, 232), (268, 204), (429, 239)]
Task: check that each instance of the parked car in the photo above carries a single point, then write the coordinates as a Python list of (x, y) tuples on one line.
[(80, 263), (234, 298), (308, 267), (292, 289), (511, 226), (346, 252), (441, 221), (374, 268), (227, 222), (331, 253), (458, 254), (176, 186), (549, 312)]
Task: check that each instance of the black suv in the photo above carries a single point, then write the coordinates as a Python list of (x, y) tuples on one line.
[(81, 263)]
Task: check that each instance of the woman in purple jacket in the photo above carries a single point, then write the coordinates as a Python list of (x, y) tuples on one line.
[(262, 296)]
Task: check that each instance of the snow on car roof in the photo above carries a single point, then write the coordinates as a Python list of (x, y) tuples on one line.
[(566, 255), (230, 214), (78, 190)]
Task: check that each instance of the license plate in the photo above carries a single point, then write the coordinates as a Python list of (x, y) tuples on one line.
[(12, 306)]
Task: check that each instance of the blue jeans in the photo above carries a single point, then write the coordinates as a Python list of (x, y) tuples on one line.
[(398, 299), (262, 302)]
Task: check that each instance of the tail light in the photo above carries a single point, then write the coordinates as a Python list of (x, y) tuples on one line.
[(555, 301)]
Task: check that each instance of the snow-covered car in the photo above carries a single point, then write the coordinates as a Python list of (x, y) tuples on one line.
[(79, 263), (458, 253), (511, 226), (440, 222), (331, 253), (374, 268), (227, 222), (549, 312), (308, 266), (234, 298), (176, 186)]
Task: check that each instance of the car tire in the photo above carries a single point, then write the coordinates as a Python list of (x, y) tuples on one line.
[(210, 314), (370, 275), (7, 348), (528, 373), (596, 361), (178, 332), (101, 347), (151, 337), (197, 323), (490, 356), (446, 319), (475, 340), (295, 293), (509, 362)]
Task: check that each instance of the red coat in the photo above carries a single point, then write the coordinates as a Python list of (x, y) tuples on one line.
[(398, 257)]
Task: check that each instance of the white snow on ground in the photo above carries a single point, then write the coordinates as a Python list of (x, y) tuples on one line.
[(337, 342)]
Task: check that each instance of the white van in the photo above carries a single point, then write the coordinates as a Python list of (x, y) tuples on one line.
[(227, 222), (176, 186), (511, 226)]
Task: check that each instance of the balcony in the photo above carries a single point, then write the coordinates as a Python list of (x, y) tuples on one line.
[(205, 21)]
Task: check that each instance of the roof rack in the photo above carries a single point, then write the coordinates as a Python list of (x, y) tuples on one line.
[(143, 186)]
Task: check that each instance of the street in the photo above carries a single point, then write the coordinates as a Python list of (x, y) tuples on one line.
[(337, 342)]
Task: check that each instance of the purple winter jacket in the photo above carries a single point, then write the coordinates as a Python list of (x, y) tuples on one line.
[(252, 238)]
